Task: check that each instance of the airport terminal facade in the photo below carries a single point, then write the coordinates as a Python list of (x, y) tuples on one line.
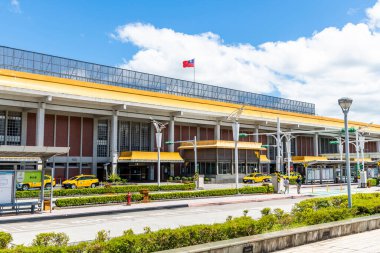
[(104, 115)]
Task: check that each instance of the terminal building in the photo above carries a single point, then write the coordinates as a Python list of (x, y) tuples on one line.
[(104, 115)]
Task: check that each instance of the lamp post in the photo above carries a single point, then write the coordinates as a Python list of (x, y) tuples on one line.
[(235, 115), (159, 126), (345, 104)]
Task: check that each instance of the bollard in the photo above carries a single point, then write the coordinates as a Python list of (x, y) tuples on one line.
[(327, 188), (341, 187), (312, 188)]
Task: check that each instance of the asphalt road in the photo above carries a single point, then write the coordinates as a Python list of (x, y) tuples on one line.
[(83, 229)]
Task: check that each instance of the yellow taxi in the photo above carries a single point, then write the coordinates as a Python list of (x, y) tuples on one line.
[(256, 178), (81, 181), (27, 185)]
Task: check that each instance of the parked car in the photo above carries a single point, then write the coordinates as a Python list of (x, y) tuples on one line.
[(28, 185), (256, 178), (81, 181)]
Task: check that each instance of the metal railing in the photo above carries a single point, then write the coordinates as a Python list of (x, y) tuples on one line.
[(32, 62)]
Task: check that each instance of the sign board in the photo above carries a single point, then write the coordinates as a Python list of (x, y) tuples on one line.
[(6, 186), (28, 177), (248, 249)]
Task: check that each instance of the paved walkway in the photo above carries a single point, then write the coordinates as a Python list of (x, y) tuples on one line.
[(366, 242)]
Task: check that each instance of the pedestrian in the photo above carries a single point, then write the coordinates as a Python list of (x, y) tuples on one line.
[(286, 185), (299, 183)]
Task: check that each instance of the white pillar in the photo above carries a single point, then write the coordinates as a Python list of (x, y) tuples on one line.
[(171, 134), (94, 168), (114, 142), (378, 146), (40, 125), (217, 131), (316, 145), (256, 136), (24, 127)]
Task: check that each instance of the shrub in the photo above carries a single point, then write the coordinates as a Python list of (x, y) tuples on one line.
[(105, 190), (5, 240), (266, 211), (114, 178), (65, 202), (372, 181), (51, 239), (102, 236)]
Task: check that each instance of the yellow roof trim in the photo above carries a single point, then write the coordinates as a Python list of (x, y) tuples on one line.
[(142, 156), (222, 144), (366, 159), (23, 80)]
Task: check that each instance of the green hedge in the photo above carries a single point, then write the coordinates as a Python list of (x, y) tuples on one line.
[(307, 212), (65, 202), (373, 181), (104, 190)]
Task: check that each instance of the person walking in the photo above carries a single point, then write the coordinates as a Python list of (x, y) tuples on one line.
[(286, 185), (299, 183)]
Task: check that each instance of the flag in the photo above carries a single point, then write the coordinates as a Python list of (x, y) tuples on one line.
[(188, 64)]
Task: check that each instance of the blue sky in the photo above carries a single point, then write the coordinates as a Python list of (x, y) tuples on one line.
[(80, 29), (309, 50)]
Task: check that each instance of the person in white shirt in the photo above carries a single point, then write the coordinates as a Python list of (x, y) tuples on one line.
[(286, 185)]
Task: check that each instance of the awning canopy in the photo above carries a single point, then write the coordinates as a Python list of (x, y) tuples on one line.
[(264, 159), (366, 160), (222, 144), (30, 153), (149, 157)]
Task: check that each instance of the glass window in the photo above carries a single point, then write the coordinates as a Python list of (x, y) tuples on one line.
[(102, 138), (145, 136), (14, 128), (135, 136), (123, 136), (2, 127)]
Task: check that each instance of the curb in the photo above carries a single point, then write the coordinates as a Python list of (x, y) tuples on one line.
[(78, 215)]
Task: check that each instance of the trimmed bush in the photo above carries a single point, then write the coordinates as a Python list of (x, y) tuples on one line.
[(66, 202), (5, 240), (372, 181), (108, 190), (51, 239)]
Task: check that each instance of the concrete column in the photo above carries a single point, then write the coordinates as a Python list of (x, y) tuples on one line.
[(217, 131), (152, 138), (378, 146), (40, 125), (94, 167), (256, 137), (171, 134), (114, 142), (316, 145), (24, 127)]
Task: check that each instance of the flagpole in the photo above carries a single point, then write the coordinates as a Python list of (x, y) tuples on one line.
[(194, 74)]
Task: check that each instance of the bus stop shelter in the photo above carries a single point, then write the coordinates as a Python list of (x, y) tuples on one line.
[(12, 156)]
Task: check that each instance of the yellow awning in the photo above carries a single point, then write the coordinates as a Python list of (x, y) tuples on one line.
[(149, 157), (264, 159), (306, 159), (222, 144)]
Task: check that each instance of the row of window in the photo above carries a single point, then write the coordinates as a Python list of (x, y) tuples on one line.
[(209, 168)]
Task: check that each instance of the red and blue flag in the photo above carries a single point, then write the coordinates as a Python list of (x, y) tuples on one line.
[(189, 64)]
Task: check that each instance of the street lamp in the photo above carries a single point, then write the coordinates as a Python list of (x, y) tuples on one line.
[(235, 115), (345, 104), (159, 126)]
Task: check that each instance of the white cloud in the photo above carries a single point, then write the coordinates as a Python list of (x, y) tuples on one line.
[(330, 64), (15, 6)]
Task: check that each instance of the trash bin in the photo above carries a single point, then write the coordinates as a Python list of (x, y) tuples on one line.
[(145, 193), (46, 204)]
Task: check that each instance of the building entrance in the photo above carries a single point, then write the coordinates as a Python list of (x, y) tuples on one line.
[(134, 172)]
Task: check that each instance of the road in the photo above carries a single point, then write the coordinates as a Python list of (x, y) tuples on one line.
[(363, 242), (83, 229)]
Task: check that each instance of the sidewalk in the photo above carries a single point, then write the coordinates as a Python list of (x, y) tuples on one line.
[(138, 207)]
